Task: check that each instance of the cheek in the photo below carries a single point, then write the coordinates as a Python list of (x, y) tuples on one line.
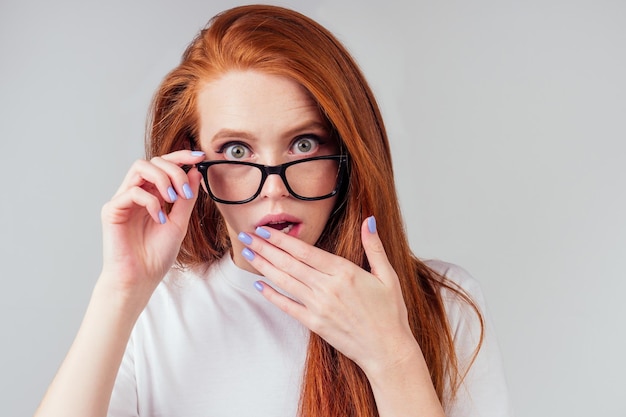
[(320, 215), (233, 215)]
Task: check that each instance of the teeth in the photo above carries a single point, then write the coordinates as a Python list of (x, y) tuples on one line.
[(285, 229)]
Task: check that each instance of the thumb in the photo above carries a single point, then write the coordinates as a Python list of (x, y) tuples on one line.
[(374, 250)]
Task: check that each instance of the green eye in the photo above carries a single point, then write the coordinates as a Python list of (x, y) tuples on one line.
[(305, 145), (236, 151)]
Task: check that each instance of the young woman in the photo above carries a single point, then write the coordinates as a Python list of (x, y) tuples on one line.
[(256, 263)]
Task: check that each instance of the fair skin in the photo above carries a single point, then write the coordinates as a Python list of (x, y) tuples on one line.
[(268, 120), (252, 117)]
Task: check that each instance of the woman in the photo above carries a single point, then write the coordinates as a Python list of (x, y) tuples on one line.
[(269, 114)]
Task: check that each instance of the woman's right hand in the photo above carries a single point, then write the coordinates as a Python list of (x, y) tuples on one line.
[(140, 245), (141, 242)]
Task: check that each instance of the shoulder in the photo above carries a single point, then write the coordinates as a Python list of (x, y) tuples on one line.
[(463, 302), (178, 281), (483, 391), (183, 278), (456, 275), (182, 289)]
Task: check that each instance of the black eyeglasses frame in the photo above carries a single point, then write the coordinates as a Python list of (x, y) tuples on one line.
[(267, 170)]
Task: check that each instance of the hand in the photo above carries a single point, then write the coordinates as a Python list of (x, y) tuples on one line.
[(361, 314), (140, 242)]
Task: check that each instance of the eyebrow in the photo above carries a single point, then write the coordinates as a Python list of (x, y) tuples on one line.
[(242, 134), (231, 133)]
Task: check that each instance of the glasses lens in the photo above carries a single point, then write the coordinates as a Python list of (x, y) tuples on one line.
[(233, 182), (313, 179)]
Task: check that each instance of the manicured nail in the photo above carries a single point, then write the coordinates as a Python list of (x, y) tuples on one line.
[(258, 285), (371, 224), (262, 233), (248, 254), (197, 153), (162, 217), (245, 238), (172, 194), (187, 191)]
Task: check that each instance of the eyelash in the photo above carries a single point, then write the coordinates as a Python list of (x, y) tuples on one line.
[(223, 147), (320, 142), (313, 137)]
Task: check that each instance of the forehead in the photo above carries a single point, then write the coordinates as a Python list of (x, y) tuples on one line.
[(256, 102)]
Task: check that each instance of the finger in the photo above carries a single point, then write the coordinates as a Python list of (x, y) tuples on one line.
[(281, 257), (182, 209), (117, 210), (286, 304), (184, 157), (374, 250), (292, 284), (187, 160), (147, 175), (164, 173), (178, 181), (314, 257)]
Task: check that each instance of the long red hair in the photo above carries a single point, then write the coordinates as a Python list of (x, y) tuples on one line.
[(283, 42)]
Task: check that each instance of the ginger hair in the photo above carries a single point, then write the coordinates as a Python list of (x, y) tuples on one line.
[(283, 42)]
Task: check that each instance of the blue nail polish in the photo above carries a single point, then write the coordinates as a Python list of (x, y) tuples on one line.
[(248, 254), (371, 224), (172, 194), (245, 238), (262, 233), (187, 191), (258, 285), (197, 153), (162, 217)]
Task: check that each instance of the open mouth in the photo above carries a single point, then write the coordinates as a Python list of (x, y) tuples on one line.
[(284, 227)]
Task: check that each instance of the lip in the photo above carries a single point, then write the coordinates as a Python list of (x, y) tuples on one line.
[(282, 218)]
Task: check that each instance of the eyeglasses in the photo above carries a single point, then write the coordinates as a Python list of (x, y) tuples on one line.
[(238, 182)]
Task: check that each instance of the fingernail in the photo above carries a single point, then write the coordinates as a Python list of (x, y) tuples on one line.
[(248, 254), (197, 153), (371, 224), (162, 217), (258, 285), (262, 233), (172, 194), (187, 191), (245, 238)]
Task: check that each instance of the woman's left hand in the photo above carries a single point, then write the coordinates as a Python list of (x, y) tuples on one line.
[(361, 314)]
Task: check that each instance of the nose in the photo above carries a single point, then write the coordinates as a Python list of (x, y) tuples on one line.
[(274, 187)]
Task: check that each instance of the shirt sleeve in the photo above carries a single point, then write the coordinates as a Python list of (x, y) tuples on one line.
[(124, 397), (483, 392)]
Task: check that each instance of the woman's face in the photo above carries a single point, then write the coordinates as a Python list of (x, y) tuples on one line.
[(270, 120)]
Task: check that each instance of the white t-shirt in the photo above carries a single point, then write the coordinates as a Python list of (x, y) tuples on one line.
[(212, 346)]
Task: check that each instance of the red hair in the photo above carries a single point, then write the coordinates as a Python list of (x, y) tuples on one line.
[(282, 42)]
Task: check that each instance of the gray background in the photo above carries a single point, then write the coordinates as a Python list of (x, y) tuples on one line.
[(507, 121)]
